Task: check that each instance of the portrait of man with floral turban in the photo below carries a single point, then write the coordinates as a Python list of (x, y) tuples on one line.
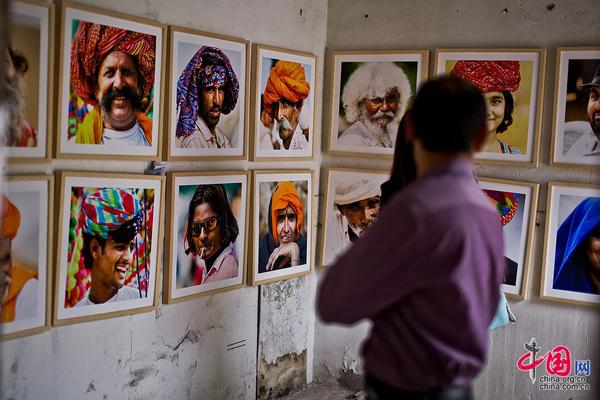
[(207, 87), (285, 100), (112, 77)]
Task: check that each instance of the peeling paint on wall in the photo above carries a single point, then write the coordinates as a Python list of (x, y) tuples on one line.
[(285, 375)]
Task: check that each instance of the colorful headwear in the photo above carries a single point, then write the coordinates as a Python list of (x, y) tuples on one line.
[(355, 189), (209, 67), (10, 218), (107, 210), (506, 203), (286, 80), (284, 195), (490, 76), (92, 42)]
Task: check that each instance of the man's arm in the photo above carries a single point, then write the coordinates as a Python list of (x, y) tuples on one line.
[(376, 272)]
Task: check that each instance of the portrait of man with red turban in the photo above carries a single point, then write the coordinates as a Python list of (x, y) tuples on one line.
[(113, 77), (286, 98)]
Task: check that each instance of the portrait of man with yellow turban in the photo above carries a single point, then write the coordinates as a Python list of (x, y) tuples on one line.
[(286, 100), (18, 285), (284, 244)]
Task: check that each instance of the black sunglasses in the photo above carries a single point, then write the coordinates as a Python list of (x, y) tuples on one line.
[(209, 225)]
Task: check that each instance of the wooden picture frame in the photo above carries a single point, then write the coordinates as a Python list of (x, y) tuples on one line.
[(572, 244), (122, 216), (187, 128), (223, 195), (32, 40), (352, 197), (292, 188), (509, 79), (267, 142), (26, 310), (573, 137), (117, 114), (360, 75), (516, 203)]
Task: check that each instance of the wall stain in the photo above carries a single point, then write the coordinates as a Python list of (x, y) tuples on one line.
[(139, 375), (91, 387), (286, 375)]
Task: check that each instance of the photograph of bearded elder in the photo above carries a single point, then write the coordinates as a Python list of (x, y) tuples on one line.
[(111, 87), (282, 225)]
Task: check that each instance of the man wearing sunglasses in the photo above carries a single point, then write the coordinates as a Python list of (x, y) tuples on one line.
[(374, 98)]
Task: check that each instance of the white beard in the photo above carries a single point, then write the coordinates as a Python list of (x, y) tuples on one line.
[(14, 104), (384, 136)]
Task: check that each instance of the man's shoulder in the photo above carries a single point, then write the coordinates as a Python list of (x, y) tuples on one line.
[(127, 293), (355, 135)]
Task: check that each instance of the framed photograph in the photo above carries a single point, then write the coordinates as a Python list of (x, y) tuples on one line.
[(208, 95), (282, 231), (516, 203), (29, 81), (576, 138), (26, 254), (284, 104), (369, 94), (512, 83), (108, 245), (352, 204), (110, 85), (206, 241), (571, 266)]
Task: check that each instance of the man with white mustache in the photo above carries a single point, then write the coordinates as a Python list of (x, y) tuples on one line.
[(112, 219), (374, 99)]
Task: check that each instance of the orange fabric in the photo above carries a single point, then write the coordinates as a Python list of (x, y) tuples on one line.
[(286, 80), (285, 194), (19, 276), (10, 219)]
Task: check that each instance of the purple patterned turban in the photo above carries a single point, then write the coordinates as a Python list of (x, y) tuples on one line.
[(209, 67)]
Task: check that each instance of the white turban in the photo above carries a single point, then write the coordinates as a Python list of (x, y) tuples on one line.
[(374, 79), (355, 189)]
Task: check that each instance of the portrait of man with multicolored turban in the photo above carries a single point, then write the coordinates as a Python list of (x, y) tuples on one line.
[(207, 88), (112, 77), (112, 224), (284, 243), (286, 99), (18, 285)]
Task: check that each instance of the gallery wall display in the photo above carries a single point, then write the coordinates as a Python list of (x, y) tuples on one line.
[(516, 203), (284, 103), (206, 240), (282, 231), (29, 82), (512, 83), (109, 232), (571, 266), (352, 204), (576, 124), (26, 246), (209, 83), (370, 92), (110, 90)]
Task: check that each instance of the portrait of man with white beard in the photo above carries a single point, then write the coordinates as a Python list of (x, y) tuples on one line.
[(374, 99)]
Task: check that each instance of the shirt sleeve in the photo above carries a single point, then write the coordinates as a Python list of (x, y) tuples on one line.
[(26, 306), (376, 272)]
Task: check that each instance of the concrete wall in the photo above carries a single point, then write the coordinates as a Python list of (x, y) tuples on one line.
[(431, 24), (181, 351)]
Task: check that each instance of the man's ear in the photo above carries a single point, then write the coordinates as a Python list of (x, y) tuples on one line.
[(480, 138), (95, 248)]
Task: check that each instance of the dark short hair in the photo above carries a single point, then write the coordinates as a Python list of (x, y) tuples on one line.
[(448, 113), (216, 197), (509, 107)]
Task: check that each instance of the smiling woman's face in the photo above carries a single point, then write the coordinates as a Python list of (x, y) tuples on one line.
[(495, 104)]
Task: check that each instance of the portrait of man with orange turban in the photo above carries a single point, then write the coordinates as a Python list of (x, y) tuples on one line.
[(112, 73), (282, 101), (284, 245), (18, 286)]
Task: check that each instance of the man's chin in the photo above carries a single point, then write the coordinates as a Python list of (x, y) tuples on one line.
[(120, 122)]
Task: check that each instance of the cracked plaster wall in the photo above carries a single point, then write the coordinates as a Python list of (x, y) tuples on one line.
[(180, 351), (430, 24)]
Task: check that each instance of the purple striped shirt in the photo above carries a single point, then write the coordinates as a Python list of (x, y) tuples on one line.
[(427, 274)]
